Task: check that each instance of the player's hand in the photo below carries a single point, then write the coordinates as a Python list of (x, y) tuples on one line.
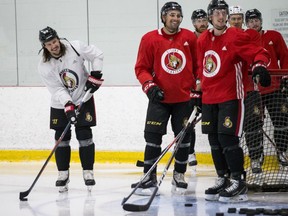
[(94, 81), (260, 74), (196, 100), (70, 112), (284, 84), (153, 92)]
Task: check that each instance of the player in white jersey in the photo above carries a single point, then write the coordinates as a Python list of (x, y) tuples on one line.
[(63, 72)]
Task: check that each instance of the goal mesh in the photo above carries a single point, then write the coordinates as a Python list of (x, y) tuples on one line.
[(265, 140)]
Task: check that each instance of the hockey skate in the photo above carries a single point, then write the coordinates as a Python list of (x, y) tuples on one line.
[(212, 193), (236, 192), (192, 160), (179, 185), (89, 179), (256, 165), (62, 181), (147, 186)]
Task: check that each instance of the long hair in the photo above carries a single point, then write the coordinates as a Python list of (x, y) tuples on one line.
[(47, 55)]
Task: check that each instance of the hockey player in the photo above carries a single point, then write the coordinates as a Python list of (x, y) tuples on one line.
[(221, 51), (165, 66), (200, 23), (64, 74), (276, 46), (253, 120)]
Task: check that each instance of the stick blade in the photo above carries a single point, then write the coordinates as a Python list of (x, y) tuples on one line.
[(139, 163), (23, 195), (138, 208), (135, 208)]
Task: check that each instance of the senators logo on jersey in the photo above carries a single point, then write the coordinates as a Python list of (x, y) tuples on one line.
[(69, 79), (211, 63), (173, 61)]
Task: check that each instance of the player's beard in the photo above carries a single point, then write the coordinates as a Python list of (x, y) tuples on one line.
[(56, 52), (172, 27), (201, 29)]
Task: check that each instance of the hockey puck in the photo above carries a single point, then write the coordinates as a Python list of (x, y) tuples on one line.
[(188, 204)]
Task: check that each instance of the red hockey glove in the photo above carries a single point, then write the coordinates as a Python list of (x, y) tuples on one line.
[(153, 92), (196, 100), (71, 112), (260, 74), (94, 81)]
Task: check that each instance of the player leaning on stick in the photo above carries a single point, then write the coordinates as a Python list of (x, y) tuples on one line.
[(253, 120), (200, 23), (274, 96), (64, 74), (221, 53), (165, 67)]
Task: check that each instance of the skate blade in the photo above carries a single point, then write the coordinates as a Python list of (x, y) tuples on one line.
[(209, 197), (145, 191), (178, 191), (236, 199), (63, 189), (89, 188)]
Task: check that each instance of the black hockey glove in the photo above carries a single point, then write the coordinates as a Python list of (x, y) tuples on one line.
[(94, 81), (196, 100), (284, 85), (153, 92), (260, 74), (70, 112)]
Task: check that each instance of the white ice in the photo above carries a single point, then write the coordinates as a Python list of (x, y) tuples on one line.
[(112, 185)]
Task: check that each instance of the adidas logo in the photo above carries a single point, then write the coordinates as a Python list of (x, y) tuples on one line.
[(271, 43), (186, 44), (224, 48)]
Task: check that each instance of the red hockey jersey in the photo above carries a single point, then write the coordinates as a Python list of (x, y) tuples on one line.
[(220, 64), (274, 43), (170, 61)]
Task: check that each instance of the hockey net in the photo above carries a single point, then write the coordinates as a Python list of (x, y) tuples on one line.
[(265, 139)]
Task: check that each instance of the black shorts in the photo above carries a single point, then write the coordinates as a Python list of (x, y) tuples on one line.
[(158, 115), (226, 118), (87, 116)]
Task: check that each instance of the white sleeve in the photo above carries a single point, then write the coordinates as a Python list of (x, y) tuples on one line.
[(92, 54)]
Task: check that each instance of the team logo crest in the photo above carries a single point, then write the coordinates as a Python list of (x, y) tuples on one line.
[(211, 63), (69, 79), (228, 123), (88, 117), (173, 61), (256, 110), (284, 108)]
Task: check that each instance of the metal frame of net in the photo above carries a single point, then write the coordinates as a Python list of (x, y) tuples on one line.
[(265, 139)]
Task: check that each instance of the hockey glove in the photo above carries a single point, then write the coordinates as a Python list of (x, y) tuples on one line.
[(94, 81), (261, 74), (153, 92), (196, 100), (71, 112), (284, 84)]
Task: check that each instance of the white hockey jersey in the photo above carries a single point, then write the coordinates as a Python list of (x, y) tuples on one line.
[(65, 77)]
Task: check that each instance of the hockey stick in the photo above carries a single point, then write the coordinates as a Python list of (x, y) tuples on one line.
[(145, 207), (140, 163), (24, 194)]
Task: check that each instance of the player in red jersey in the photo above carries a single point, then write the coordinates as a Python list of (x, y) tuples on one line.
[(200, 22), (165, 67), (221, 53), (278, 110), (253, 120)]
